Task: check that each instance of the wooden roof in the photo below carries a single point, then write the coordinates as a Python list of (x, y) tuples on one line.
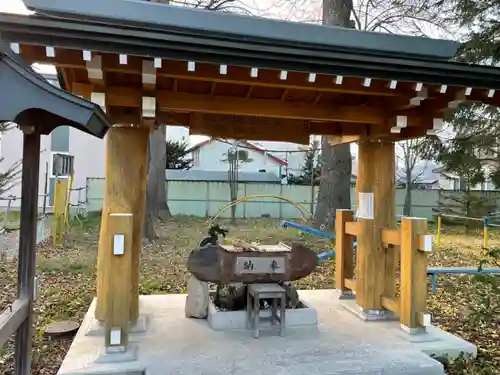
[(236, 91), (27, 99)]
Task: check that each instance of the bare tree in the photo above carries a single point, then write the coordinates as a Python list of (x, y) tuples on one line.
[(410, 175), (417, 17), (335, 182), (156, 200)]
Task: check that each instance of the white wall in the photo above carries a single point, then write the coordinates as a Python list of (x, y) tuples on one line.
[(212, 155), (11, 151), (295, 160), (89, 159)]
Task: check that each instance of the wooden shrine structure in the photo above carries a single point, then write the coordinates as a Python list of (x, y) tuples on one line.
[(226, 75)]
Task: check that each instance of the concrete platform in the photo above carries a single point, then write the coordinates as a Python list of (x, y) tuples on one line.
[(341, 343)]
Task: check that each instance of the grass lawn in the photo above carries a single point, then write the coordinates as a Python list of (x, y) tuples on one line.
[(66, 277)]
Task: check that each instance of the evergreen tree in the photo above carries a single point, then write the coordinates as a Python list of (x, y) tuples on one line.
[(471, 152), (310, 171), (176, 155)]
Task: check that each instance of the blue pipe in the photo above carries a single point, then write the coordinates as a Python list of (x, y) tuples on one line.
[(321, 256)]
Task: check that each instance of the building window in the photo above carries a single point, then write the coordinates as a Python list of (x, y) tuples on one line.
[(196, 158), (240, 155), (61, 164)]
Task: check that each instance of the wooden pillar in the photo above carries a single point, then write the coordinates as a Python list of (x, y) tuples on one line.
[(125, 192), (376, 210), (119, 239), (344, 257), (27, 246), (414, 249)]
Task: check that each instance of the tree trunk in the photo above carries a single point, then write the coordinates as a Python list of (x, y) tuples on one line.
[(156, 200), (408, 188), (335, 183), (336, 169)]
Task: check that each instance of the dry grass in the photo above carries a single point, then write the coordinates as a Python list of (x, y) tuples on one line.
[(67, 282)]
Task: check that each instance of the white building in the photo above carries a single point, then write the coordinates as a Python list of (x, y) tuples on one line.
[(212, 155)]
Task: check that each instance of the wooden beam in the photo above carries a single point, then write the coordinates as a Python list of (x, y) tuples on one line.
[(211, 72), (126, 155), (351, 228), (230, 105), (12, 317), (391, 303), (248, 127), (350, 284)]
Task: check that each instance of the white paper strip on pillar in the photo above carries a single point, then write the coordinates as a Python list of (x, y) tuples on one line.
[(419, 86), (148, 72), (50, 51), (223, 69), (443, 89), (427, 243), (312, 77), (94, 68), (115, 336), (118, 244), (87, 55), (157, 63), (148, 107), (401, 121), (393, 84), (426, 319), (437, 123), (123, 59), (15, 48), (491, 93), (367, 82), (191, 66), (339, 79), (99, 98), (365, 206), (254, 72), (283, 75)]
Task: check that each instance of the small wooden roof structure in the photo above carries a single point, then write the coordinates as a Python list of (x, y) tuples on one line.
[(27, 99), (227, 75), (37, 107)]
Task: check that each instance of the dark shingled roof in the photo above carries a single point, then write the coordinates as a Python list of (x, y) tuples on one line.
[(171, 32)]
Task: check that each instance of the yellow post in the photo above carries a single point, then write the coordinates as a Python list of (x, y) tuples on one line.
[(438, 230), (68, 201), (485, 232), (60, 194)]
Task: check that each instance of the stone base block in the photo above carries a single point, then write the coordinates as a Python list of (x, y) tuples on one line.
[(227, 320), (96, 328), (367, 315), (118, 355)]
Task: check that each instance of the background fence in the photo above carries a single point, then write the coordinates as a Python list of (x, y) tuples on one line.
[(203, 199)]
